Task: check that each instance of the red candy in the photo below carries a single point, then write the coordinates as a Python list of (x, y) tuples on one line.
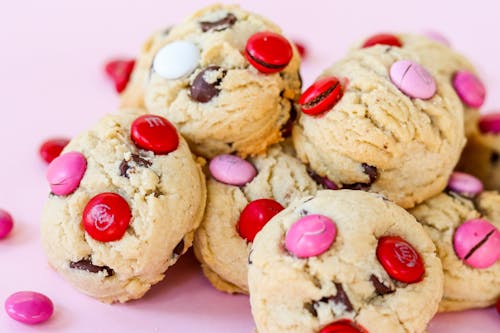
[(51, 148), (400, 260), (302, 49), (321, 96), (119, 71), (154, 133), (255, 216), (268, 52), (382, 39), (106, 217), (498, 306), (342, 326)]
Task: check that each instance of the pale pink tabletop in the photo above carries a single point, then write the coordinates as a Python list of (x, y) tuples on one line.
[(51, 83)]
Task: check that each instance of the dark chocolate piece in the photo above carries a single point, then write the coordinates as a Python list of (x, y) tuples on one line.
[(87, 265), (125, 165), (219, 25), (380, 287), (203, 91), (179, 248)]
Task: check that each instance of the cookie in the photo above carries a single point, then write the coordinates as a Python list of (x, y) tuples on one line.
[(343, 260), (364, 127), (481, 156), (225, 77), (464, 224), (219, 242), (126, 197)]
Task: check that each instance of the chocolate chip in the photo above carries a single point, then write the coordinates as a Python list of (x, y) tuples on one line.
[(125, 165), (250, 257), (219, 25), (342, 298), (310, 308), (205, 86), (380, 287), (494, 158), (179, 248), (303, 212), (371, 171), (87, 265), (286, 130), (478, 245)]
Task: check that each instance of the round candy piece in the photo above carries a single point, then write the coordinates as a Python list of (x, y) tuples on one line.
[(310, 236), (255, 216), (268, 52), (65, 172), (106, 217), (382, 39), (465, 184), (342, 326), (412, 79), (438, 37), (469, 88), (231, 170), (119, 71), (29, 307), (477, 243), (52, 148), (6, 223), (176, 59), (400, 260), (490, 123), (321, 96), (154, 133)]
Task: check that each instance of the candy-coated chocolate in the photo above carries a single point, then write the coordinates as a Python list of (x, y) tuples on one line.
[(490, 123), (6, 223), (119, 72), (106, 217), (343, 326), (176, 59), (437, 36), (232, 170), (29, 307), (302, 49), (412, 79), (268, 52), (154, 133), (255, 216), (65, 172), (465, 184), (382, 39), (498, 306), (52, 148), (310, 236), (477, 243), (400, 260), (469, 88), (321, 96)]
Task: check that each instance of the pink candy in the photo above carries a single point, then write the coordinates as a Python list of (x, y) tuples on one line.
[(490, 123), (412, 79), (6, 223), (477, 243), (65, 173), (465, 184), (310, 236), (29, 307), (232, 170), (436, 36), (469, 88)]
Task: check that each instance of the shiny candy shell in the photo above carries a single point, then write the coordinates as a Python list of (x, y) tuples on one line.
[(231, 170), (65, 172), (437, 37), (477, 243), (154, 133), (310, 236), (321, 96), (490, 123), (106, 217), (6, 223), (255, 216), (342, 326), (51, 148), (469, 88), (412, 79), (382, 39), (29, 307), (176, 59), (465, 184), (400, 260), (119, 71), (268, 52)]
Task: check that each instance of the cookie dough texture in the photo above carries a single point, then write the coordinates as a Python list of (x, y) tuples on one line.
[(481, 157), (288, 294), (465, 287), (167, 200), (251, 108), (218, 245), (414, 144)]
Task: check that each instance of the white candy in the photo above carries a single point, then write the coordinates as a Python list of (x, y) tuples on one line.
[(176, 59)]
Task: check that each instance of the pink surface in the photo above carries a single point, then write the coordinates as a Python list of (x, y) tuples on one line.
[(51, 84)]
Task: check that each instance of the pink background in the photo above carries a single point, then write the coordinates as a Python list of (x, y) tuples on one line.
[(51, 83)]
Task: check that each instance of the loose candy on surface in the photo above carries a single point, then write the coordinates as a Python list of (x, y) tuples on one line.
[(51, 148), (268, 52), (382, 39), (65, 172), (465, 184), (477, 243), (469, 88), (6, 223), (490, 123), (412, 79), (232, 170), (106, 217), (343, 326), (29, 307), (321, 96), (255, 216), (400, 259), (154, 133), (437, 36), (119, 72), (310, 236), (301, 47), (176, 59)]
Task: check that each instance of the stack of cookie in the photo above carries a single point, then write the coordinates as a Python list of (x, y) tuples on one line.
[(297, 199)]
